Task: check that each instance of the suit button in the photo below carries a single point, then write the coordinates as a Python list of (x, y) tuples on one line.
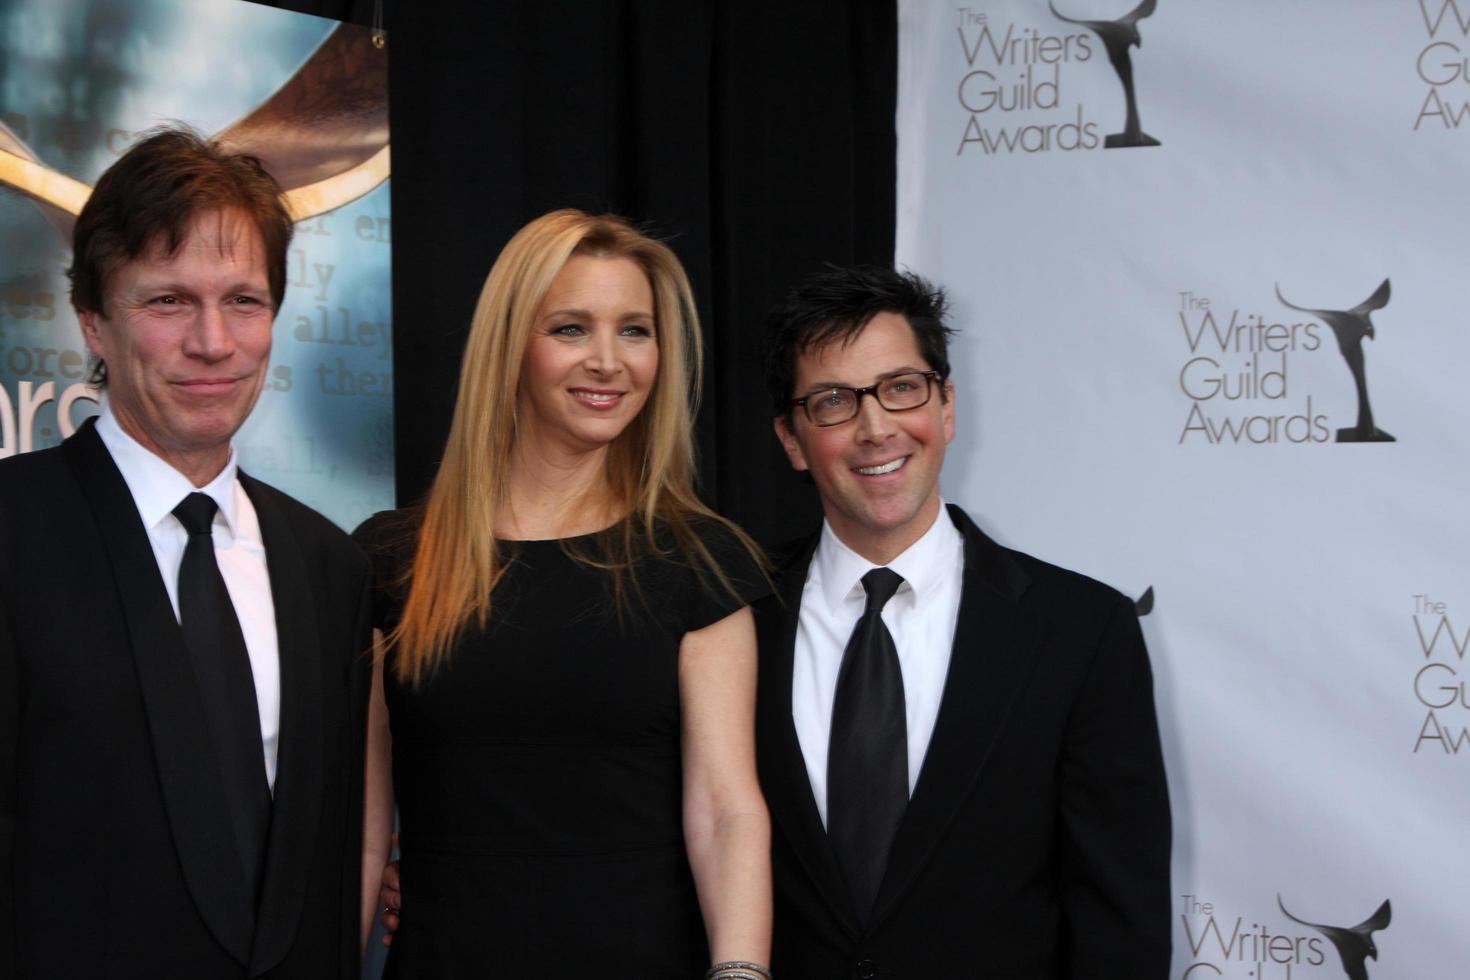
[(867, 969)]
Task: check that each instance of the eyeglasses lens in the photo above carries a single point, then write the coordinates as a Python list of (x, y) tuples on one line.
[(897, 393)]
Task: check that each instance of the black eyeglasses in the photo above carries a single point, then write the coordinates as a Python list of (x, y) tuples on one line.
[(899, 393)]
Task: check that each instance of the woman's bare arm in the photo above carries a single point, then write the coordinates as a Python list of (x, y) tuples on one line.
[(377, 817), (726, 828)]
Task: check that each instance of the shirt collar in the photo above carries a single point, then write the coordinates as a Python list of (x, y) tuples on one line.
[(156, 486), (924, 565)]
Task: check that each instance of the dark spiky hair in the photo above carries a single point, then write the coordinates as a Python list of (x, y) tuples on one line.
[(835, 305)]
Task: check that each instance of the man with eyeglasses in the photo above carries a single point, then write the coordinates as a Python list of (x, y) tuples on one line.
[(957, 741)]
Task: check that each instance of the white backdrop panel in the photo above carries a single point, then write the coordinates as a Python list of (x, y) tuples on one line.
[(1137, 403)]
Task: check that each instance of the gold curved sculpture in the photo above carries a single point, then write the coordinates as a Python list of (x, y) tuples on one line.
[(333, 192), (42, 183), (323, 135)]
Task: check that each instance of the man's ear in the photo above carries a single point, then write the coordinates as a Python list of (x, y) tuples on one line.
[(790, 444), (948, 412), (90, 331)]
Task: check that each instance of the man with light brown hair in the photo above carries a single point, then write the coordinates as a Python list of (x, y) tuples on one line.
[(181, 646)]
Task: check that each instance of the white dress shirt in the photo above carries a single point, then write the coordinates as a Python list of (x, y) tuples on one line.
[(921, 618), (157, 488)]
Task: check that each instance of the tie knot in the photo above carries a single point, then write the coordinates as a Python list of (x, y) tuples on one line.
[(196, 512), (880, 584)]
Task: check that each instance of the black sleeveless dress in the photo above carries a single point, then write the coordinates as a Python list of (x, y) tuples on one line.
[(537, 773)]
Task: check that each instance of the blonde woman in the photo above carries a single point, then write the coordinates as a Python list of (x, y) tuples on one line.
[(563, 705)]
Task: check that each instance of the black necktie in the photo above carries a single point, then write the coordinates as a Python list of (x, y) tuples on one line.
[(226, 684), (867, 754)]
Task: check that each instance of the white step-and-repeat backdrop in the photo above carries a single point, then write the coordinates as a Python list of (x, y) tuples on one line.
[(1211, 264)]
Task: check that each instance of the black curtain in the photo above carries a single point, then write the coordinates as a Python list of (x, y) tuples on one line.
[(756, 136)]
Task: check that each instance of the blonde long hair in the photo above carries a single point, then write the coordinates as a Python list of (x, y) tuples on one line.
[(650, 466)]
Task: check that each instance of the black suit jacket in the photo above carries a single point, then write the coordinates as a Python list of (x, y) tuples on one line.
[(116, 851), (1036, 842)]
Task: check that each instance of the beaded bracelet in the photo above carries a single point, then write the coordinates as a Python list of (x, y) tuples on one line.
[(737, 970)]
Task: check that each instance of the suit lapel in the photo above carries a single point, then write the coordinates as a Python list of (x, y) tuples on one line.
[(188, 773), (296, 809), (784, 777), (992, 657)]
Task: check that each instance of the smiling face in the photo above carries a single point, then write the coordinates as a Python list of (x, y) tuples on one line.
[(187, 339), (878, 473), (592, 356)]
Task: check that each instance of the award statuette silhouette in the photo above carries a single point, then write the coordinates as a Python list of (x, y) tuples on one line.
[(1354, 943), (1118, 36), (1350, 327)]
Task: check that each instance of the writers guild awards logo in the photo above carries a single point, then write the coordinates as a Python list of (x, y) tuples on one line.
[(1354, 943), (1439, 684), (1350, 327), (1224, 943), (1443, 65), (1117, 37)]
